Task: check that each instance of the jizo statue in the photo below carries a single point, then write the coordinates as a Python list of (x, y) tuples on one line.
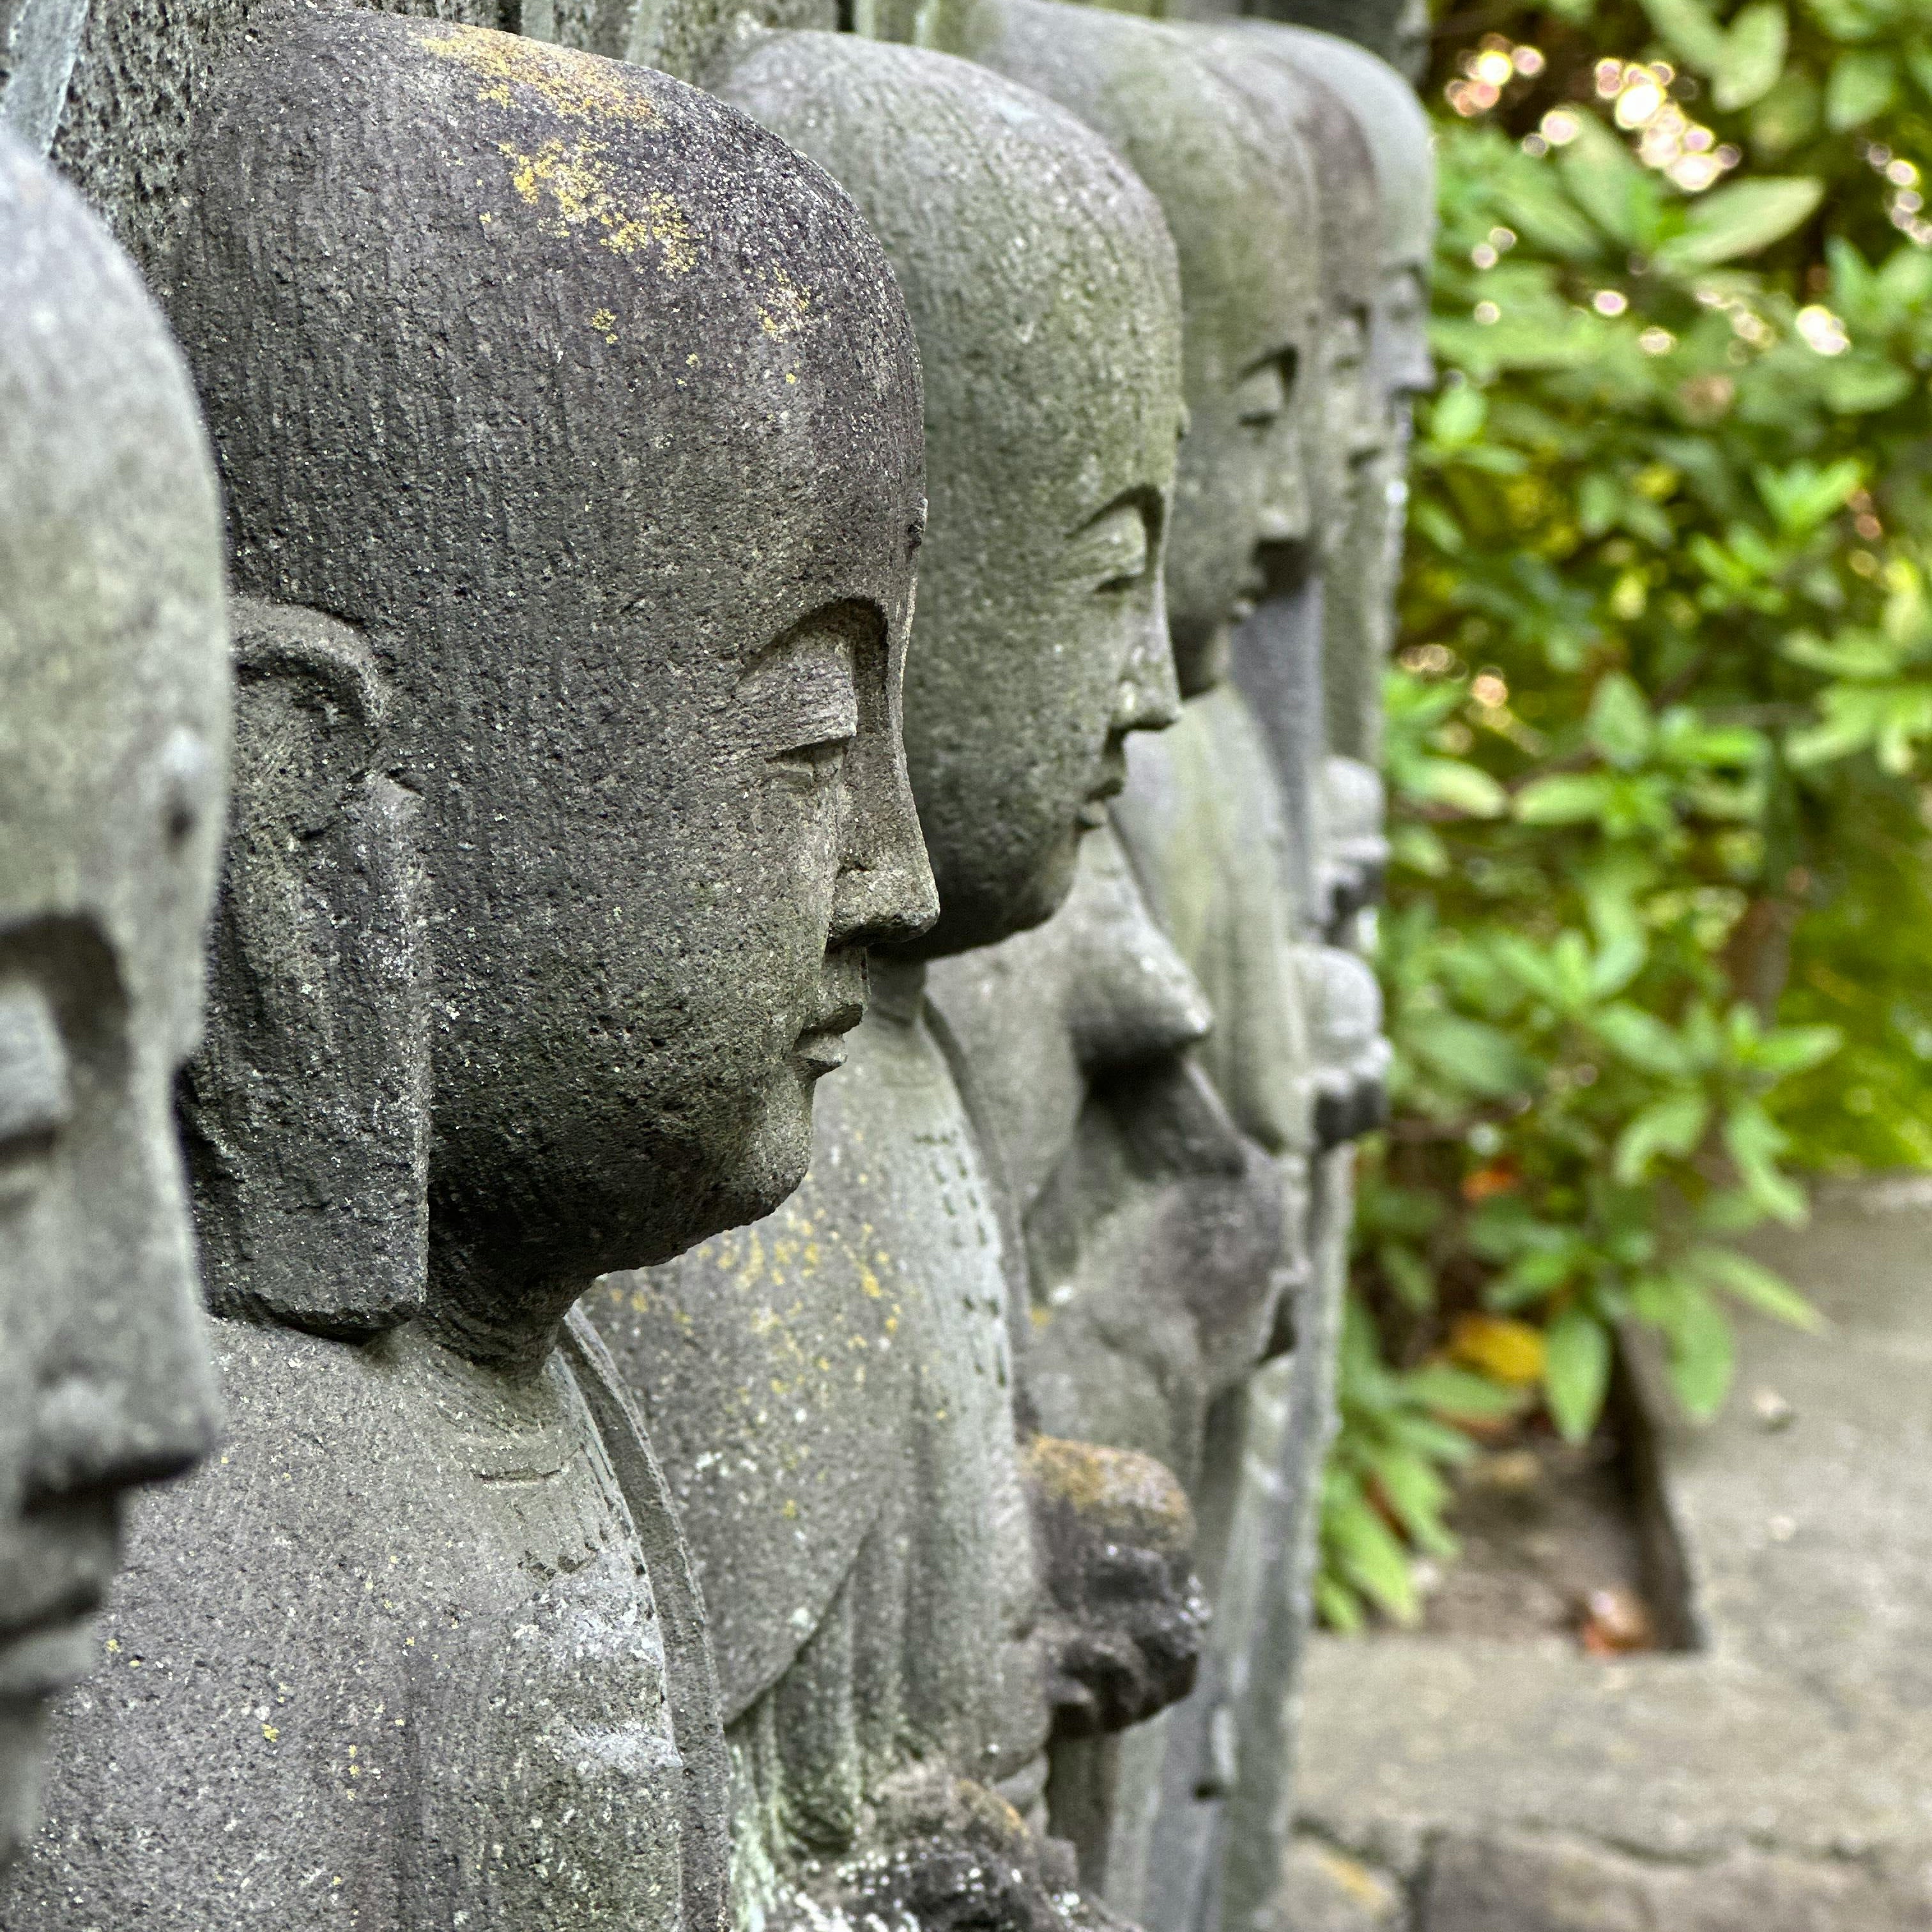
[(588, 412), (913, 1589), (1163, 1214), (1396, 31), (113, 750)]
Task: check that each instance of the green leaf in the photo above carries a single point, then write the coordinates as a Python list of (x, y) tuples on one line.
[(1459, 1392), (1577, 1374), (1481, 1058), (1606, 181), (1338, 1606), (1795, 1049), (1643, 1039), (1802, 495), (1673, 1125), (1458, 415), (1463, 787), (1686, 27), (1864, 83), (1564, 799), (1753, 56), (1416, 1494), (1755, 1285), (1619, 724), (1370, 1558), (1742, 219), (1755, 1140), (1702, 1351)]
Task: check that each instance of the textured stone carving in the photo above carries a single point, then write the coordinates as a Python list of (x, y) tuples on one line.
[(588, 413), (834, 1389), (1163, 1209), (113, 751)]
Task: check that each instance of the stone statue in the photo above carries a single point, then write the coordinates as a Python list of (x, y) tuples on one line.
[(113, 749), (114, 88), (908, 1598), (1163, 1211), (1329, 633), (569, 424), (1397, 32)]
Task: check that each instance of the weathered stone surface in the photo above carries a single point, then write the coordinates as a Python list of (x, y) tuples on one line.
[(1324, 1890), (113, 750), (1396, 31), (1238, 210), (1512, 1882), (1153, 1226), (114, 86), (1365, 542), (1778, 1770), (567, 825), (835, 1389)]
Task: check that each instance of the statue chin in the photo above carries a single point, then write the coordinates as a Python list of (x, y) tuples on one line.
[(23, 1723)]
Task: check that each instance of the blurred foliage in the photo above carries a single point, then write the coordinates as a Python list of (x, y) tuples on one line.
[(1660, 728)]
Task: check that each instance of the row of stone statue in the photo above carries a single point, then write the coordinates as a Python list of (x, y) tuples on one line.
[(497, 572)]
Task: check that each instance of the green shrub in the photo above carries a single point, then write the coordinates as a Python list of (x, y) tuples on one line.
[(1660, 918)]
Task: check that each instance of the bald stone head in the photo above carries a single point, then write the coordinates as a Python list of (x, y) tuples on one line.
[(1241, 234), (1394, 31), (1041, 285), (1353, 426), (594, 410), (113, 749), (1385, 109)]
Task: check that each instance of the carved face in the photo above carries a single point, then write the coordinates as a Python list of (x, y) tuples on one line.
[(648, 690), (1246, 247), (1041, 289), (113, 743), (1306, 71)]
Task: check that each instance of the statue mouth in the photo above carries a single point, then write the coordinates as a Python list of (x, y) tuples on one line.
[(1113, 781), (54, 1653), (821, 1046)]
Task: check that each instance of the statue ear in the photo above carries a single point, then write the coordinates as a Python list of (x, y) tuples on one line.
[(305, 1113)]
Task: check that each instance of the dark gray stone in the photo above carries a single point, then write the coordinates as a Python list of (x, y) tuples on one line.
[(1395, 31), (113, 751), (1514, 1882), (1238, 209), (1363, 544), (588, 412), (115, 85), (834, 1389)]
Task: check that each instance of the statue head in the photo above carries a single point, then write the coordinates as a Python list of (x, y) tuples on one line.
[(1385, 109), (1237, 209), (1041, 285), (1395, 30), (1351, 425), (591, 412), (113, 749)]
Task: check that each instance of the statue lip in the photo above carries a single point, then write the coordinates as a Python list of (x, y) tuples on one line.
[(821, 1046), (53, 1651), (1113, 781)]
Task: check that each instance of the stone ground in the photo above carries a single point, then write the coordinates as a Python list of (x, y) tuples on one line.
[(1776, 1778)]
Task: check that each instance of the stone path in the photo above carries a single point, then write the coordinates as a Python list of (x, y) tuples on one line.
[(1779, 1779)]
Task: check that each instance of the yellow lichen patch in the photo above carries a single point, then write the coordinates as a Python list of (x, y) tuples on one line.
[(580, 191), (1118, 1491), (784, 310), (564, 80)]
